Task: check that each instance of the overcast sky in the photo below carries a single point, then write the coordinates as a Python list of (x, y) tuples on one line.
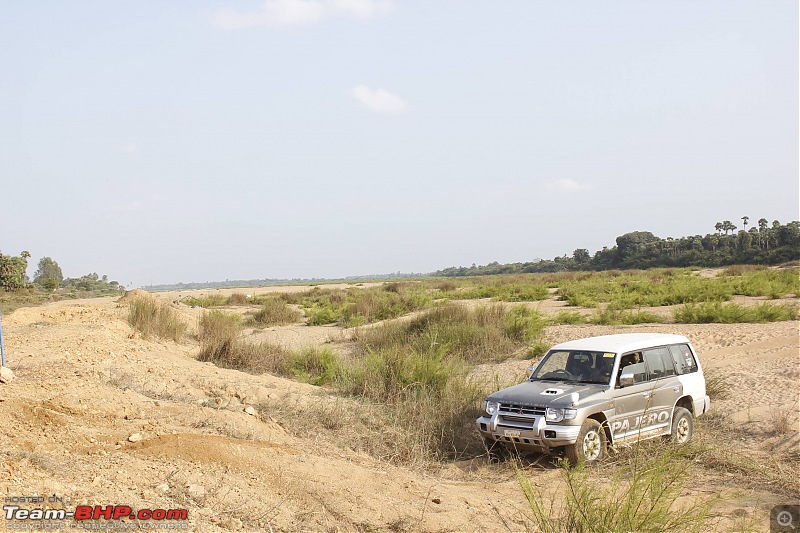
[(201, 140)]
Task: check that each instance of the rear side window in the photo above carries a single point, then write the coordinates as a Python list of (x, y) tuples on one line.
[(654, 364), (683, 358), (666, 359)]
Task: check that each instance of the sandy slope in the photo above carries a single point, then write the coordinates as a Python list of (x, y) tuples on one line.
[(86, 383)]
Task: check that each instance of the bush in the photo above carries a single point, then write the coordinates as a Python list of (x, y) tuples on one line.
[(715, 312), (218, 333), (569, 317), (215, 300), (429, 398), (486, 333), (152, 317), (611, 316), (274, 312), (317, 366), (641, 495), (237, 298)]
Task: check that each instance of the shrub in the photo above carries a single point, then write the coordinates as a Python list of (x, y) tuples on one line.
[(218, 333), (429, 398), (569, 317), (215, 300), (486, 333), (611, 316), (237, 298), (642, 495), (715, 312), (317, 366), (274, 312), (153, 317)]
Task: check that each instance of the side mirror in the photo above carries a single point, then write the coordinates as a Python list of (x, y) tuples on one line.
[(626, 380)]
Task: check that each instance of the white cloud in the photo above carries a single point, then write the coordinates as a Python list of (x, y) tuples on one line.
[(362, 8), (568, 185), (379, 100), (131, 148), (292, 13)]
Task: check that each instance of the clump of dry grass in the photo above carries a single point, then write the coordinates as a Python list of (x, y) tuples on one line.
[(153, 317), (638, 493), (237, 298), (782, 420)]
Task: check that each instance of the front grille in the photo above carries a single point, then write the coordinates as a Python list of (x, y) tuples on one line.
[(518, 416), (516, 409)]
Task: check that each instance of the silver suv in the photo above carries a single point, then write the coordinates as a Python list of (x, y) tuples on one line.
[(586, 394)]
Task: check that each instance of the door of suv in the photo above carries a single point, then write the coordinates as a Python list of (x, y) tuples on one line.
[(644, 409)]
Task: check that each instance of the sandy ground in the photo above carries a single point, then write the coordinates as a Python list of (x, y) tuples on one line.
[(104, 417)]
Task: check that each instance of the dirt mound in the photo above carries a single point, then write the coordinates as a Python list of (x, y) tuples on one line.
[(130, 295)]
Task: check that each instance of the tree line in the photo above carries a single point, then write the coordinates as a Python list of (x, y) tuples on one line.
[(763, 243), (48, 276)]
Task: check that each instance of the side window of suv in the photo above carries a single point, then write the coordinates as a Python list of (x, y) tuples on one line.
[(683, 358), (666, 358), (632, 363), (655, 365)]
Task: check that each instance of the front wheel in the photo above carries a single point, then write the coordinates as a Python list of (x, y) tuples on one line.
[(682, 426), (590, 448)]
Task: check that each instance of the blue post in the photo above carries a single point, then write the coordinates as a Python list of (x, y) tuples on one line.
[(2, 350)]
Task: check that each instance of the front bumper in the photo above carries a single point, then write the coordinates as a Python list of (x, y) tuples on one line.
[(539, 436)]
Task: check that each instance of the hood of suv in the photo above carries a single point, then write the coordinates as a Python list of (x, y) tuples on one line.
[(545, 393)]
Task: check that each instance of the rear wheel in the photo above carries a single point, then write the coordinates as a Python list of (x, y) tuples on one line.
[(590, 448), (682, 426)]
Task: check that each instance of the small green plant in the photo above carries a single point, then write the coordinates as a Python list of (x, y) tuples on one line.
[(153, 317), (569, 317)]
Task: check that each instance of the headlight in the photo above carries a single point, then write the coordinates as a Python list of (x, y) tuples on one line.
[(490, 407), (557, 415)]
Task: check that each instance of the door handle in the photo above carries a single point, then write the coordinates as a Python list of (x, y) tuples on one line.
[(647, 394)]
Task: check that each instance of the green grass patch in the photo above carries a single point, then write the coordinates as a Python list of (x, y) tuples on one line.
[(615, 317), (357, 306), (730, 313), (214, 300), (275, 312)]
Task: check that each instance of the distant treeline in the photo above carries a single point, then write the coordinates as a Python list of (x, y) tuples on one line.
[(228, 284), (763, 243), (48, 276)]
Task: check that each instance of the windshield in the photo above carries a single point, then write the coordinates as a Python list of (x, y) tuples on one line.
[(575, 365)]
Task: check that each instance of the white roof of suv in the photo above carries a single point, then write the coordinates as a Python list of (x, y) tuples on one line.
[(624, 342)]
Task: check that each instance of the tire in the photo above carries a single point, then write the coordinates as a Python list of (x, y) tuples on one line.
[(590, 447), (682, 426), (496, 451)]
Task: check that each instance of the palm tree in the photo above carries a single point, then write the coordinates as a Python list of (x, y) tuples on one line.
[(745, 220), (727, 225), (718, 227)]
